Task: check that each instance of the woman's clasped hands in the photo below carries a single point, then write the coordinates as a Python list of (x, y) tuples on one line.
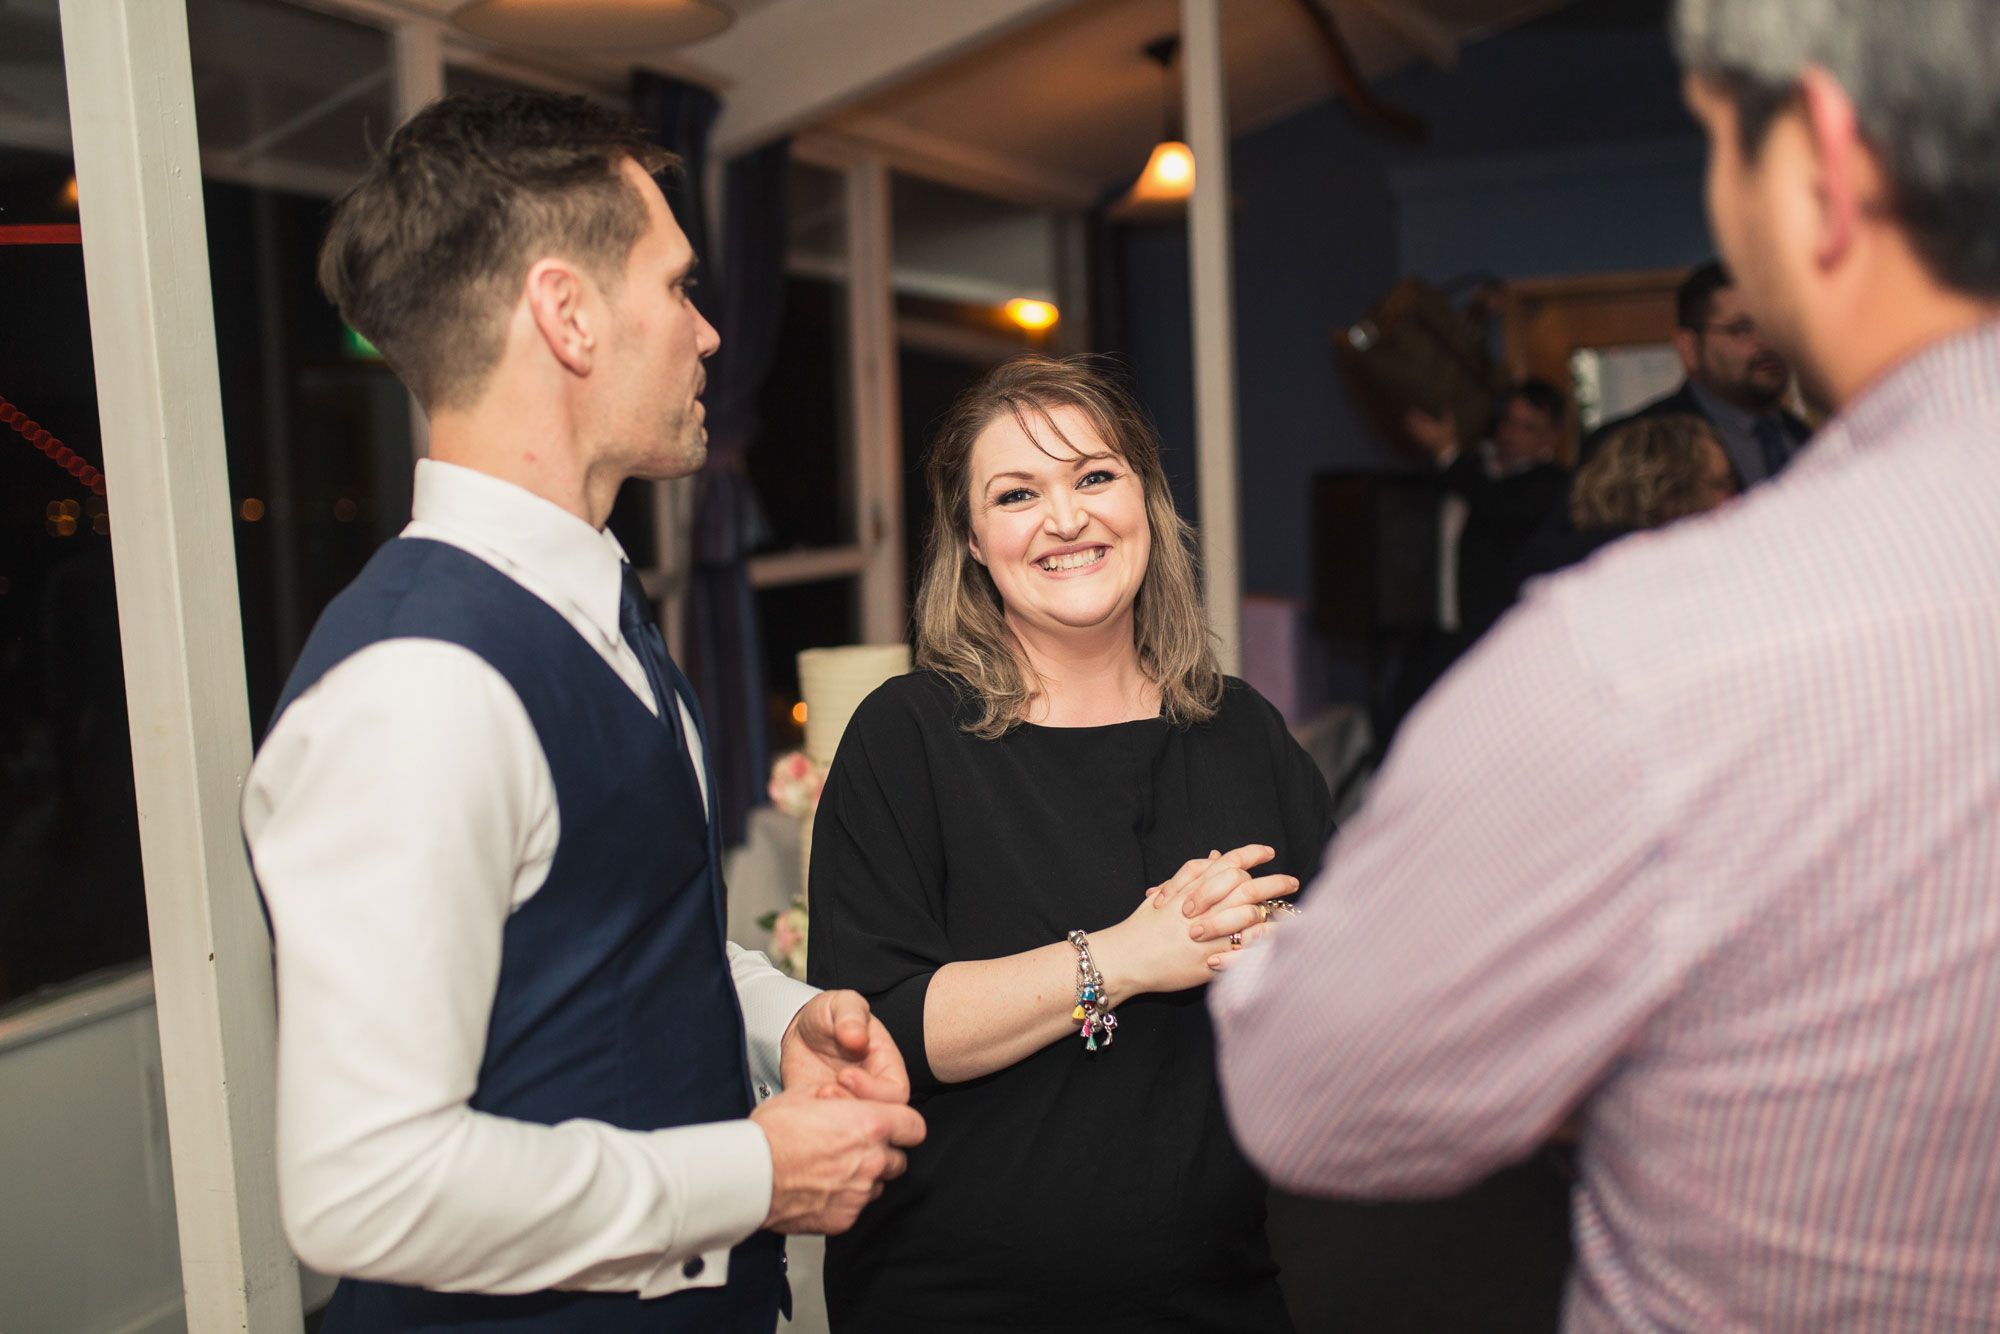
[(1186, 928)]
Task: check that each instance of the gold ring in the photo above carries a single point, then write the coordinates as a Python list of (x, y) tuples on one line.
[(1264, 911), (1235, 940)]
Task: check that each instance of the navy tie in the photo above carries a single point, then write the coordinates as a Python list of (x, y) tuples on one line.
[(642, 632), (1776, 445)]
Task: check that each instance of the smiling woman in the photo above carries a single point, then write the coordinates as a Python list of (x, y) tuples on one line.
[(1059, 523), (1058, 828), (1043, 458)]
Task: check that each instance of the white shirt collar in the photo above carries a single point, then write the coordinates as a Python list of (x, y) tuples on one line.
[(534, 541)]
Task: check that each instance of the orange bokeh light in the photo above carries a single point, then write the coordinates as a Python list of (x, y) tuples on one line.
[(1032, 315)]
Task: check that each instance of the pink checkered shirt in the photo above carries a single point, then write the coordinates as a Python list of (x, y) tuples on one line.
[(1703, 840)]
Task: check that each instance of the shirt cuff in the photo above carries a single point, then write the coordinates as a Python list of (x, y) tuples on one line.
[(770, 1001), (725, 1184)]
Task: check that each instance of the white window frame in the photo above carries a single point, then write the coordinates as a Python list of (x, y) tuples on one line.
[(152, 328), (875, 557)]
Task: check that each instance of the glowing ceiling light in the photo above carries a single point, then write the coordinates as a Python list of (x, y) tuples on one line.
[(1163, 188), (1169, 173), (1032, 315)]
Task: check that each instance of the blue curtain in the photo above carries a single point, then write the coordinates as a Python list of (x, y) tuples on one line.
[(745, 301)]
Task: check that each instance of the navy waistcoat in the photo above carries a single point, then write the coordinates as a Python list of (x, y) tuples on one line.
[(615, 1001)]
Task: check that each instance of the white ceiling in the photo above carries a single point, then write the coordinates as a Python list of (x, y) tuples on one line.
[(1046, 101), (1043, 102)]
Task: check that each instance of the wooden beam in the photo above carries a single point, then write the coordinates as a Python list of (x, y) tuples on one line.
[(878, 432), (418, 54), (153, 340), (1214, 320)]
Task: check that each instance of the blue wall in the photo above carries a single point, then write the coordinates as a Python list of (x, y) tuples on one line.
[(1559, 147)]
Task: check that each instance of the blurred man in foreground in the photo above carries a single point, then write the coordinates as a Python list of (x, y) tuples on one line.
[(1720, 879)]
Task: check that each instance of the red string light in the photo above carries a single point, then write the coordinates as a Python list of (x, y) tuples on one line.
[(60, 454)]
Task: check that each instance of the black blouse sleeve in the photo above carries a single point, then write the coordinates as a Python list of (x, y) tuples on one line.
[(1305, 807), (876, 883)]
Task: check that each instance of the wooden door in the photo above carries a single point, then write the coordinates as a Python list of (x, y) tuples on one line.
[(1548, 319)]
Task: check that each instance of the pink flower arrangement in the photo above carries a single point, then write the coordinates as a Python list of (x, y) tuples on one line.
[(795, 787), (788, 939), (795, 784)]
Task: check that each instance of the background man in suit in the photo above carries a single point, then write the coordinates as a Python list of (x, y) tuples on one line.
[(523, 1081), (1735, 380), (1497, 493), (1495, 497)]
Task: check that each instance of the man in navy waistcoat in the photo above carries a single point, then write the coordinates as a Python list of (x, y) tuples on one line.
[(524, 1082)]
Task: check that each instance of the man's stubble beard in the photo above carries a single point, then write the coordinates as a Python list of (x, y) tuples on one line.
[(1744, 390), (692, 450)]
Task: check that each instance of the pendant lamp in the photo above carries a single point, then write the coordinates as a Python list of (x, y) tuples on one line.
[(1163, 188), (592, 25)]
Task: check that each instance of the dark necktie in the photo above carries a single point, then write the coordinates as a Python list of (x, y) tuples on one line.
[(1776, 445), (642, 632)]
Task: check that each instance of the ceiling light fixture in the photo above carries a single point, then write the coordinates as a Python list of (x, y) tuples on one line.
[(593, 25), (1163, 188)]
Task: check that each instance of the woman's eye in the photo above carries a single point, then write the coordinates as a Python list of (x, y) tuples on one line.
[(1013, 497), (1098, 477)]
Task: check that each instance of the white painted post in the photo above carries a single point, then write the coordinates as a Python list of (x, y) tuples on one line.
[(418, 52), (153, 338), (1214, 325), (878, 428)]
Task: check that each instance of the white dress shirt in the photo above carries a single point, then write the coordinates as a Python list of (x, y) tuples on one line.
[(397, 814)]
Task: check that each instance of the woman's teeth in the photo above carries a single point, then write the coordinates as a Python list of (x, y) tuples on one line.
[(1074, 560)]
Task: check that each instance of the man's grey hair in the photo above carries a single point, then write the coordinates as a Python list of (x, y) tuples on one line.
[(1924, 76)]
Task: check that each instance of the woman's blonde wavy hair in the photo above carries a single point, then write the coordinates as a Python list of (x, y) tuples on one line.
[(961, 623), (1650, 472)]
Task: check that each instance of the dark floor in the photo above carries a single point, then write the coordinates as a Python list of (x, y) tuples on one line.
[(1490, 1261)]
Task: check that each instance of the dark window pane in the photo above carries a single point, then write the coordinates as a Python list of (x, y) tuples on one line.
[(318, 429), (802, 464), (285, 96), (72, 896)]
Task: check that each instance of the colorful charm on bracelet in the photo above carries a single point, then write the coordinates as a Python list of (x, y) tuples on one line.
[(1099, 1023)]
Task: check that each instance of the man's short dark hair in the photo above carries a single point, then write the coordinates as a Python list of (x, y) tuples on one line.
[(1921, 77), (1540, 395), (1694, 304), (427, 253)]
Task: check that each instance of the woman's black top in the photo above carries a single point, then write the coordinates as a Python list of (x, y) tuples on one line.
[(1095, 1191)]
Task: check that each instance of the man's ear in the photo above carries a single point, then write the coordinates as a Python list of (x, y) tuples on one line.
[(555, 293), (1846, 182), (1688, 343)]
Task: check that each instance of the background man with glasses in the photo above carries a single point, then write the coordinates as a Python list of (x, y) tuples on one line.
[(1736, 380)]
